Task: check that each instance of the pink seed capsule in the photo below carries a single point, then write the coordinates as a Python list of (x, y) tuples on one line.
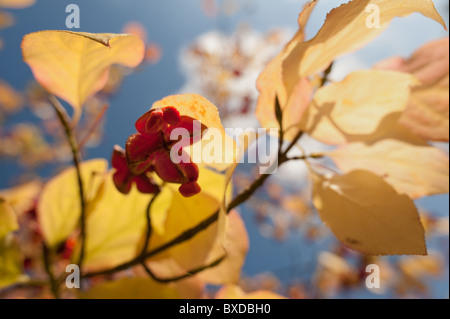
[(190, 170), (171, 115), (154, 122), (166, 169), (189, 189)]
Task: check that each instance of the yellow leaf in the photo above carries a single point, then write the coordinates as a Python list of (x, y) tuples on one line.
[(368, 215), (10, 262), (8, 219), (115, 226), (427, 112), (414, 170), (270, 85), (131, 288), (10, 100), (346, 29), (236, 292), (419, 266), (353, 109), (236, 245), (22, 198), (197, 107), (59, 204), (74, 66), (185, 213), (16, 4)]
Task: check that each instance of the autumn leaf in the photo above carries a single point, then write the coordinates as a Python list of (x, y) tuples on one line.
[(10, 262), (270, 85), (414, 170), (346, 30), (8, 218), (185, 213), (22, 198), (16, 4), (236, 292), (353, 109), (115, 225), (10, 100), (225, 238), (236, 245), (59, 204), (427, 112), (368, 215), (74, 66)]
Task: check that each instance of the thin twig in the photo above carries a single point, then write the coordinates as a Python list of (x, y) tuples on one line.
[(48, 269), (65, 121), (181, 277), (149, 225), (326, 74)]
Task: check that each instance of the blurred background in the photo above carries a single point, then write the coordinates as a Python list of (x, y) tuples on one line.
[(217, 48)]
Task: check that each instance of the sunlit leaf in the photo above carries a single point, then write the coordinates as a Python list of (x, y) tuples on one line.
[(74, 66), (59, 205), (236, 292), (236, 245), (368, 215), (131, 288), (10, 262), (414, 170), (115, 226), (22, 198), (185, 213), (353, 109), (346, 29), (270, 85), (427, 112), (8, 218)]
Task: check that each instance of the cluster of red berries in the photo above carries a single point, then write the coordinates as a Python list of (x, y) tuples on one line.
[(148, 151)]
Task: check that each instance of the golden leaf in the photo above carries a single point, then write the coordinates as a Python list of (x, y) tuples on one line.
[(236, 292), (352, 110), (414, 170), (74, 66), (368, 215), (270, 85), (346, 29), (59, 204), (22, 198), (427, 111), (8, 219)]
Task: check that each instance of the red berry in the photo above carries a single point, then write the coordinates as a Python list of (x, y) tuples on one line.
[(189, 189), (171, 115)]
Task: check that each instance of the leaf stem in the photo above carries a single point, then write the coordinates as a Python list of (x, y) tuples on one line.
[(65, 122)]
